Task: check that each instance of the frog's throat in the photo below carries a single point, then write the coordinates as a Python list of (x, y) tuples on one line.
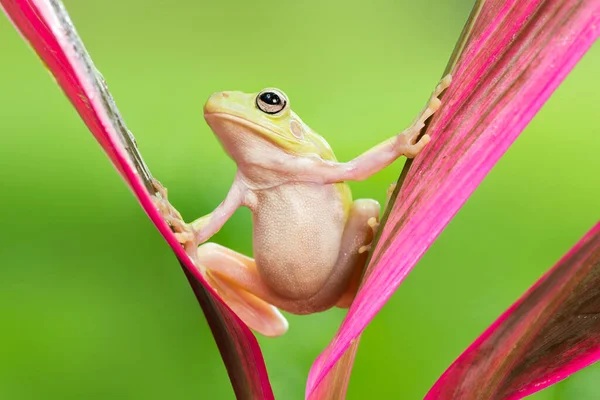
[(267, 133)]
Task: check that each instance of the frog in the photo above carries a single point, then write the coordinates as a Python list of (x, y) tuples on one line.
[(310, 238)]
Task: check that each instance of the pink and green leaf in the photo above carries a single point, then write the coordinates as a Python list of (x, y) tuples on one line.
[(511, 56), (548, 334), (47, 27)]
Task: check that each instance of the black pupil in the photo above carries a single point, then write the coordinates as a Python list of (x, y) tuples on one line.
[(270, 98)]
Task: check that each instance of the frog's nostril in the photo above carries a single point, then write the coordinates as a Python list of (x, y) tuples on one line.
[(224, 95)]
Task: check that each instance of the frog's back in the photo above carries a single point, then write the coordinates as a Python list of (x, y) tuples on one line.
[(297, 234)]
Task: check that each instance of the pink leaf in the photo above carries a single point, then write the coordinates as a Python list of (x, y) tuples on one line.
[(47, 27), (511, 57), (548, 334)]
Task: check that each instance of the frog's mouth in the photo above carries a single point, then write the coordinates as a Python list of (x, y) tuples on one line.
[(267, 133)]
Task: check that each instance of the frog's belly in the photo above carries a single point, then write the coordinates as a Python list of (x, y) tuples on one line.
[(297, 234)]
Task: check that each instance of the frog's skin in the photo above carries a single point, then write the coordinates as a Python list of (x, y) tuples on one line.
[(310, 238)]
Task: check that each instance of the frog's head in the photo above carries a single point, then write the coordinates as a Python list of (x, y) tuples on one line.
[(246, 123)]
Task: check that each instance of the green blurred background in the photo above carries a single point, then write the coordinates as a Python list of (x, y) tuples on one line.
[(93, 304)]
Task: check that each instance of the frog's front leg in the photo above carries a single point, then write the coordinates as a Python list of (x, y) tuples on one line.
[(403, 144), (204, 227), (380, 156)]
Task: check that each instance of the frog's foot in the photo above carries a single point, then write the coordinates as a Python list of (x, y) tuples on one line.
[(235, 278), (373, 223), (358, 236), (183, 232), (388, 194), (407, 140)]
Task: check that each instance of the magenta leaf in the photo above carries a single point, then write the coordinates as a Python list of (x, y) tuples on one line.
[(548, 334), (47, 27), (511, 56)]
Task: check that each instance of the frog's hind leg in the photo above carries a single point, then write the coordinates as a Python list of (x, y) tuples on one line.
[(235, 278), (358, 234)]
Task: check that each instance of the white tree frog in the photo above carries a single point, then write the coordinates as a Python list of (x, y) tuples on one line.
[(309, 237)]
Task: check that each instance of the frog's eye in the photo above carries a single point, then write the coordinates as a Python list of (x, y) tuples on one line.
[(271, 101)]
